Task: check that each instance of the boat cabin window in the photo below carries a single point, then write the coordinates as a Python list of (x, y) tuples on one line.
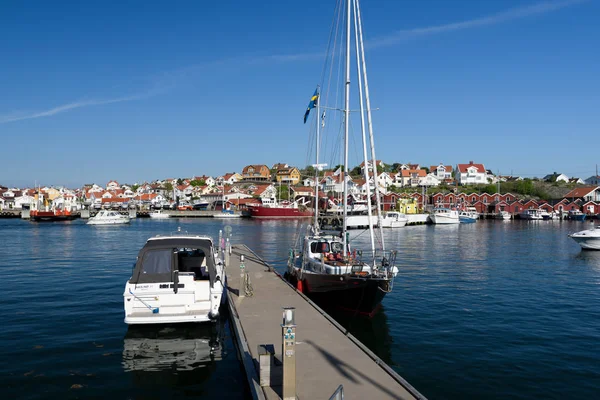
[(337, 247), (157, 262), (319, 247), (192, 260)]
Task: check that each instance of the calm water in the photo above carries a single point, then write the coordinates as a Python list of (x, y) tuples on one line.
[(490, 310)]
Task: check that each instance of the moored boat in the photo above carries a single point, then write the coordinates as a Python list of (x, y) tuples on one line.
[(159, 214), (175, 279), (588, 239), (444, 216), (532, 214), (576, 215), (282, 210), (323, 265), (467, 217), (503, 215)]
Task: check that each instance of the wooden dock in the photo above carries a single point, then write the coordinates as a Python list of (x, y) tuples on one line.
[(326, 354)]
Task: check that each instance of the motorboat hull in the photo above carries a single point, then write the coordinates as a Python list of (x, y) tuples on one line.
[(440, 219), (588, 239)]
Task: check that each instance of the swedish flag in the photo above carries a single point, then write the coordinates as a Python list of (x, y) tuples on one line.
[(312, 104)]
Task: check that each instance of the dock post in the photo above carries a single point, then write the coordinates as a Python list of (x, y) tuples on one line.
[(242, 287), (288, 353), (227, 252)]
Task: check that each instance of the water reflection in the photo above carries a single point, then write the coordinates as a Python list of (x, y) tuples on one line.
[(173, 354), (589, 258), (373, 333)]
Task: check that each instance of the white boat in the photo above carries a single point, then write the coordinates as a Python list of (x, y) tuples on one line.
[(107, 217), (548, 215), (227, 214), (175, 279), (467, 217), (588, 239), (324, 266), (531, 214), (394, 219), (159, 214), (504, 215), (441, 215)]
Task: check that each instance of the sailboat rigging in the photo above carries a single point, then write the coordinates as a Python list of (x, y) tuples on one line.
[(326, 268)]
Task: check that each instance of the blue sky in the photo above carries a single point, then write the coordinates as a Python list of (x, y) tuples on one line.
[(138, 91)]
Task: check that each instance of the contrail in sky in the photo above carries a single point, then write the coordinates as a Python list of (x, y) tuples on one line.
[(389, 40), (66, 107), (503, 16)]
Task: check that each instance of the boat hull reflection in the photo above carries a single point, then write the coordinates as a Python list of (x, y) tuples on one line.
[(172, 355)]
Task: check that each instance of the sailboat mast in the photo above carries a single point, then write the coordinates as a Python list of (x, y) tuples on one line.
[(364, 133), (370, 123), (346, 122), (316, 166)]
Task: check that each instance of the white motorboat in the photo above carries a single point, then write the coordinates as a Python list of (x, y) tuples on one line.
[(441, 215), (531, 214), (393, 219), (159, 214), (107, 217), (175, 279), (467, 217), (504, 215), (227, 214), (548, 215), (588, 239)]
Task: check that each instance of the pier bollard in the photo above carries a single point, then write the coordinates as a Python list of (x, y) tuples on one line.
[(227, 252), (288, 352), (266, 353), (242, 289)]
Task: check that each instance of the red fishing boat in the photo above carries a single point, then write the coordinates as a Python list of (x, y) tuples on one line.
[(282, 210)]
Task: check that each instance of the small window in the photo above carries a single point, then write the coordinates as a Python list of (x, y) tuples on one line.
[(157, 262)]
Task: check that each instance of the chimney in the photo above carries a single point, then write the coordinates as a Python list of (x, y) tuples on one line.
[(470, 162)]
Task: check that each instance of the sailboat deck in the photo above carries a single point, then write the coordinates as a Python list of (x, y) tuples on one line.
[(326, 356)]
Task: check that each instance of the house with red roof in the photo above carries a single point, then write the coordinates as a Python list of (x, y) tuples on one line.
[(112, 185), (441, 171), (587, 193), (470, 174), (412, 177), (591, 208)]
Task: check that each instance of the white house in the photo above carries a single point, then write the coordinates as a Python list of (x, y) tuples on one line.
[(113, 185), (431, 180), (441, 172), (470, 174), (21, 200), (555, 177)]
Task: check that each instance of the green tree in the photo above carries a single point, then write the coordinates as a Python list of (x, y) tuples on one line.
[(134, 188), (196, 182), (168, 187), (179, 181), (283, 192)]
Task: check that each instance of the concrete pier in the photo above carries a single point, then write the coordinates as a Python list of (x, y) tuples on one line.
[(327, 356)]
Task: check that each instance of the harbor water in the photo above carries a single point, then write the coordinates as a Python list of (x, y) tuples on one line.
[(496, 309)]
